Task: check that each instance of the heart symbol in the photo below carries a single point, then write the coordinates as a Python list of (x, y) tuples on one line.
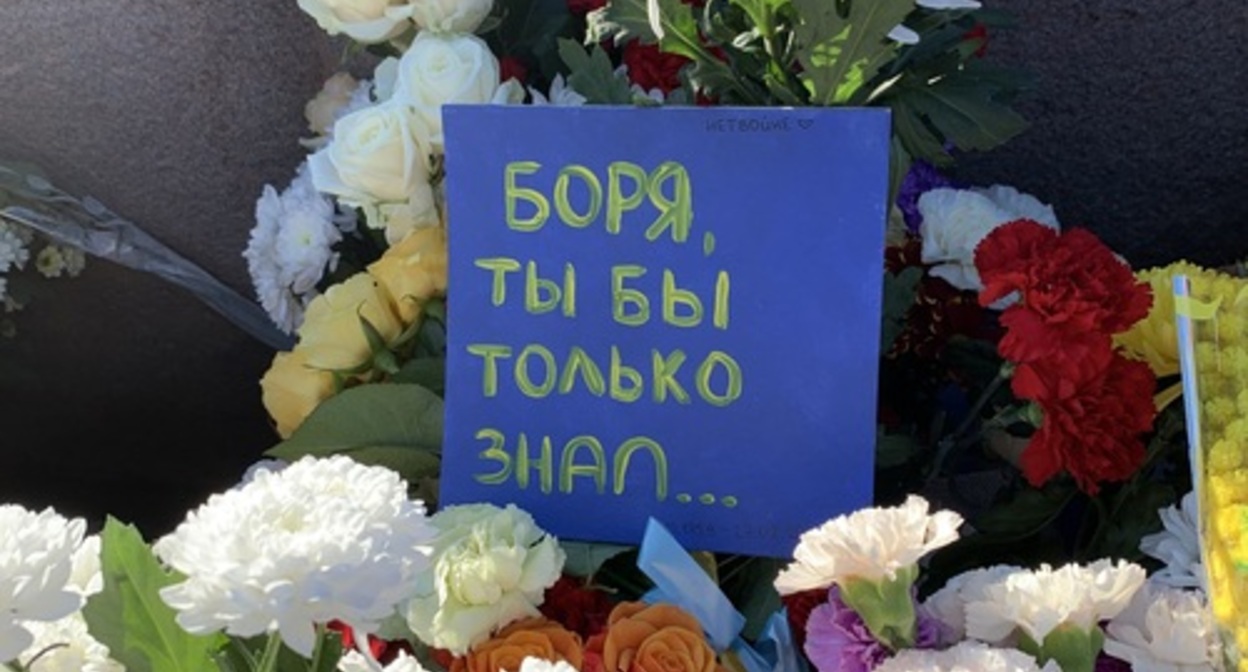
[(805, 124)]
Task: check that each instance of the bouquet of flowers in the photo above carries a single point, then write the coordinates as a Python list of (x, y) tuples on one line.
[(327, 564)]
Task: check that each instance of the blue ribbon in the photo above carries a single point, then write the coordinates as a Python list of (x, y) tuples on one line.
[(680, 580)]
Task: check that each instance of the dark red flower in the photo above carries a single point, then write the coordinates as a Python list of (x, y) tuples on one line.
[(651, 68), (1071, 287), (798, 607), (585, 6), (1094, 433), (979, 34), (579, 609), (382, 650), (511, 67)]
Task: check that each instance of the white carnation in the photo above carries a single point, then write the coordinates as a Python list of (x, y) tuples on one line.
[(291, 248), (964, 657), (871, 544), (1177, 545), (1163, 630), (491, 566), (947, 606), (955, 221), (320, 540), (1038, 601), (36, 563)]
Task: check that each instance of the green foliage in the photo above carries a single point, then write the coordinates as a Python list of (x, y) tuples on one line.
[(529, 29), (1029, 512), (842, 45), (961, 106), (593, 76), (748, 582), (129, 617), (585, 559), (899, 292), (393, 425), (620, 22), (894, 450)]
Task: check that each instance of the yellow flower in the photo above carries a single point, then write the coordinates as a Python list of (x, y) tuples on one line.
[(413, 271), (332, 335), (1153, 339), (292, 390)]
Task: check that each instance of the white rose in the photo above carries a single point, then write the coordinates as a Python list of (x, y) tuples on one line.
[(491, 566), (955, 221), (379, 156), (451, 16), (443, 69), (367, 21)]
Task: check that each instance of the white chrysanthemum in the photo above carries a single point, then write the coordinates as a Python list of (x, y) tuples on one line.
[(955, 221), (317, 541), (36, 562), (871, 544), (561, 95), (85, 577), (1038, 601), (532, 664), (964, 657), (1163, 630), (354, 661), (1178, 545), (947, 606), (66, 646), (291, 248), (13, 252), (491, 566)]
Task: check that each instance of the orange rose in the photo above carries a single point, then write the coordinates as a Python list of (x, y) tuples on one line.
[(655, 638), (530, 638)]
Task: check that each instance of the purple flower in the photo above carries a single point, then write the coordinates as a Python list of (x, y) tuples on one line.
[(837, 640), (921, 177)]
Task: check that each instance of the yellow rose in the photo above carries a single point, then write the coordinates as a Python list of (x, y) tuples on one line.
[(292, 390), (332, 335), (413, 271)]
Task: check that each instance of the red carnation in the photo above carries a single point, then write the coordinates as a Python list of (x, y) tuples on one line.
[(1071, 287), (579, 609), (651, 68), (383, 651), (1095, 433)]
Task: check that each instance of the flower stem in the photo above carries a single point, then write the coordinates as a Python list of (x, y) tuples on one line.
[(268, 661), (947, 444)]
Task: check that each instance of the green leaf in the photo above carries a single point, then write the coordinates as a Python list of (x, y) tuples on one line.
[(962, 106), (839, 54), (129, 617), (384, 415), (593, 76), (899, 291), (621, 22), (585, 559), (411, 464), (1028, 513), (893, 450), (750, 587), (428, 372)]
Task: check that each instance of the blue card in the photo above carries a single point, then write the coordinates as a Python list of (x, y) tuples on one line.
[(668, 312)]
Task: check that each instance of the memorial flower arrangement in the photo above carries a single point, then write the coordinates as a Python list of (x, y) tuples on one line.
[(327, 564)]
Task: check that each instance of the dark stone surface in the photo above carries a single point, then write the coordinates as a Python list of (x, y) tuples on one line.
[(1140, 123), (122, 394)]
